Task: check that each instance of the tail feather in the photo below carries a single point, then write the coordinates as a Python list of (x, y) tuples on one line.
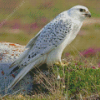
[(21, 57), (15, 69), (13, 64), (25, 70)]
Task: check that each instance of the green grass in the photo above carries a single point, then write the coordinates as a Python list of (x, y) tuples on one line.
[(15, 38), (32, 9), (78, 80)]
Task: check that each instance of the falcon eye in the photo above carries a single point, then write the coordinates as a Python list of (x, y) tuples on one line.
[(82, 10)]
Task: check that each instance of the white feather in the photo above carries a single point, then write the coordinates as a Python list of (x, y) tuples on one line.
[(26, 69), (47, 46)]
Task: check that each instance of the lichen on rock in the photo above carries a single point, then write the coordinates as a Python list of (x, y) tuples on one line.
[(9, 52)]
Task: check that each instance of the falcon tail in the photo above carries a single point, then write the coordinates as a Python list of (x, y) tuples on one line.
[(21, 57), (26, 69), (13, 64)]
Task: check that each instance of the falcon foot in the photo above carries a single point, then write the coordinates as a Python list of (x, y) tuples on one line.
[(61, 64)]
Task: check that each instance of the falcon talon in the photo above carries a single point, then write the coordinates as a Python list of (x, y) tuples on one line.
[(64, 64)]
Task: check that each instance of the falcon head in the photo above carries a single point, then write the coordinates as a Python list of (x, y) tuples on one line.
[(79, 12)]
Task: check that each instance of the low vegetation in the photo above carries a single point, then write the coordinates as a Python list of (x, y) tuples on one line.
[(80, 78)]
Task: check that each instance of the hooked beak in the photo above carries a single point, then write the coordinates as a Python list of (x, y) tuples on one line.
[(88, 14)]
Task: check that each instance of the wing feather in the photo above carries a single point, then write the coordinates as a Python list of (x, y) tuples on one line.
[(51, 36), (27, 49)]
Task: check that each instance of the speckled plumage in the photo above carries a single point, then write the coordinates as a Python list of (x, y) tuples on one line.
[(47, 46)]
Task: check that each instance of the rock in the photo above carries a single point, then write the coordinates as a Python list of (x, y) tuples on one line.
[(8, 53)]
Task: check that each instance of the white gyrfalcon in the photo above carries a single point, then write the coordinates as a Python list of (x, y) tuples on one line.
[(47, 46)]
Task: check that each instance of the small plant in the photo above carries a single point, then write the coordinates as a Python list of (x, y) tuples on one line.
[(90, 52), (74, 81)]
